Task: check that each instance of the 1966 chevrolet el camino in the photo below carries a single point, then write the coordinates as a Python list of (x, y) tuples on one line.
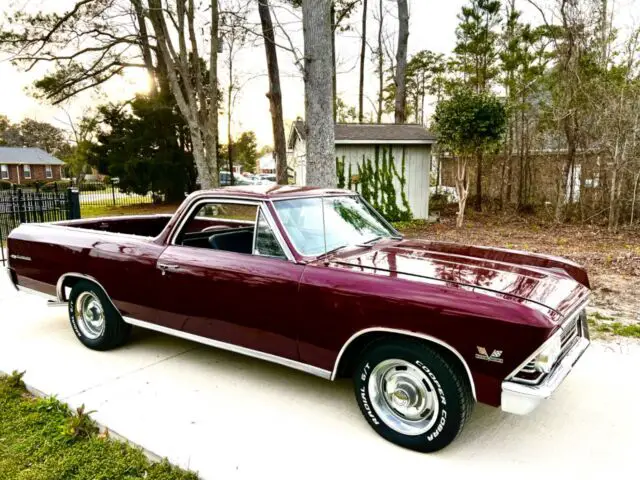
[(317, 280)]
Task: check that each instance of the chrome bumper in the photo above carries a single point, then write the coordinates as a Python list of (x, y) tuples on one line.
[(522, 399)]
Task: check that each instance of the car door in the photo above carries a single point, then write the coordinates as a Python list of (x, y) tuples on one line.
[(247, 299)]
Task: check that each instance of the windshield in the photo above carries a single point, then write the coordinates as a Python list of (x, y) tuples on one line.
[(348, 221)]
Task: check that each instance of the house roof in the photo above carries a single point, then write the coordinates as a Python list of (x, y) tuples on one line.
[(27, 156), (370, 133)]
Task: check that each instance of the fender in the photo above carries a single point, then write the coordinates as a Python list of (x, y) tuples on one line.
[(407, 333)]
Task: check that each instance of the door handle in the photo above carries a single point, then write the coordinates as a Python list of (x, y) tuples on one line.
[(165, 267)]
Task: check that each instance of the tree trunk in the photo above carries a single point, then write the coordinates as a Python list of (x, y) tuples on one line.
[(570, 134), (401, 62), (190, 96), (334, 79), (275, 94), (478, 202), (462, 187), (362, 59), (380, 65), (144, 44), (633, 199), (320, 145), (229, 108)]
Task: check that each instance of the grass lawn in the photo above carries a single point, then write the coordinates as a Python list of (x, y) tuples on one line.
[(41, 439)]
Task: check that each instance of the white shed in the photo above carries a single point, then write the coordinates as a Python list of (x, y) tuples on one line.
[(356, 143)]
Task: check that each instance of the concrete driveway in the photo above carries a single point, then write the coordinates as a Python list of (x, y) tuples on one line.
[(227, 416)]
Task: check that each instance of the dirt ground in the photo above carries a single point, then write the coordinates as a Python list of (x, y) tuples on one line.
[(612, 259)]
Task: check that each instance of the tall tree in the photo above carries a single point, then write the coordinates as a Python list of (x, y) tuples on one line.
[(275, 93), (97, 40), (476, 52), (196, 97), (142, 142), (379, 53), (363, 54), (401, 62), (234, 35), (467, 124), (318, 71)]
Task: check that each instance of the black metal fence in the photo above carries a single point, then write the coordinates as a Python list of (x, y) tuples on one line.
[(109, 194), (19, 206), (98, 194)]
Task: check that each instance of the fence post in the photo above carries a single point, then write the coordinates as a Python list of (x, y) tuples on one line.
[(73, 203), (113, 191), (38, 206), (21, 207)]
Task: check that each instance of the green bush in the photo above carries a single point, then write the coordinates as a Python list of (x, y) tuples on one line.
[(93, 187), (51, 186), (5, 185)]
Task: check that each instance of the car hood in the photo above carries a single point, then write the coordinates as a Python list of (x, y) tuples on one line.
[(431, 261)]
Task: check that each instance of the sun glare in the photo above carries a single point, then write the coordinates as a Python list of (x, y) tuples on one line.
[(138, 80)]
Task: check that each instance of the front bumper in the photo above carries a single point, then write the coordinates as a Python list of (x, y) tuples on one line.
[(522, 399)]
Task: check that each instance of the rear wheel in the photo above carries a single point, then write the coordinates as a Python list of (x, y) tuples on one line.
[(411, 395), (95, 321)]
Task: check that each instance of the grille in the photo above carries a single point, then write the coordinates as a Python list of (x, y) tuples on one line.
[(571, 332)]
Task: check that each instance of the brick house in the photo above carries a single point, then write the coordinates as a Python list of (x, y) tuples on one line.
[(24, 165)]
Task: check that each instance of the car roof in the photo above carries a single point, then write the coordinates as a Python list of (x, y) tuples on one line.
[(274, 192)]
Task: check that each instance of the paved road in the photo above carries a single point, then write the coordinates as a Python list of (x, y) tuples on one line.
[(227, 416)]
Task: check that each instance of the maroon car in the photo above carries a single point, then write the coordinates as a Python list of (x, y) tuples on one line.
[(317, 280)]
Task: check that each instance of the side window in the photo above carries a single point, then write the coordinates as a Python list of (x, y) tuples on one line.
[(266, 242), (228, 211), (220, 226)]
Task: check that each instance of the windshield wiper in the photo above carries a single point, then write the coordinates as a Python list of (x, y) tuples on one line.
[(333, 250), (370, 242)]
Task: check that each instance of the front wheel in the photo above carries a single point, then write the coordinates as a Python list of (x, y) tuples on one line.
[(95, 321), (411, 395)]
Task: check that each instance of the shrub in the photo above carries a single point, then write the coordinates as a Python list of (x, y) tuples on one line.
[(51, 186), (5, 185), (93, 187)]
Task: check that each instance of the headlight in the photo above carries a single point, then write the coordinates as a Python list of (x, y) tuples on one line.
[(545, 360)]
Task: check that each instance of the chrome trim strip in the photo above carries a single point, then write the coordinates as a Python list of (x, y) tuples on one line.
[(60, 292), (320, 372), (408, 333), (338, 193), (522, 399), (54, 303), (575, 312)]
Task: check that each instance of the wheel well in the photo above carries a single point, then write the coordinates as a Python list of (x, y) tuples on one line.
[(68, 281), (354, 350)]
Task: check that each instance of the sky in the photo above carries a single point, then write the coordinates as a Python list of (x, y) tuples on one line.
[(432, 27)]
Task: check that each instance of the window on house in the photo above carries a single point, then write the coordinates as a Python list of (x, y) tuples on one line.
[(26, 169), (48, 171), (4, 172)]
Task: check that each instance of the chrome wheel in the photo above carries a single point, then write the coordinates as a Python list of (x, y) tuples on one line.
[(403, 396), (90, 315)]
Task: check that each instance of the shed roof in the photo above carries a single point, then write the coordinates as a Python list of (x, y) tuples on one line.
[(27, 156), (370, 133)]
